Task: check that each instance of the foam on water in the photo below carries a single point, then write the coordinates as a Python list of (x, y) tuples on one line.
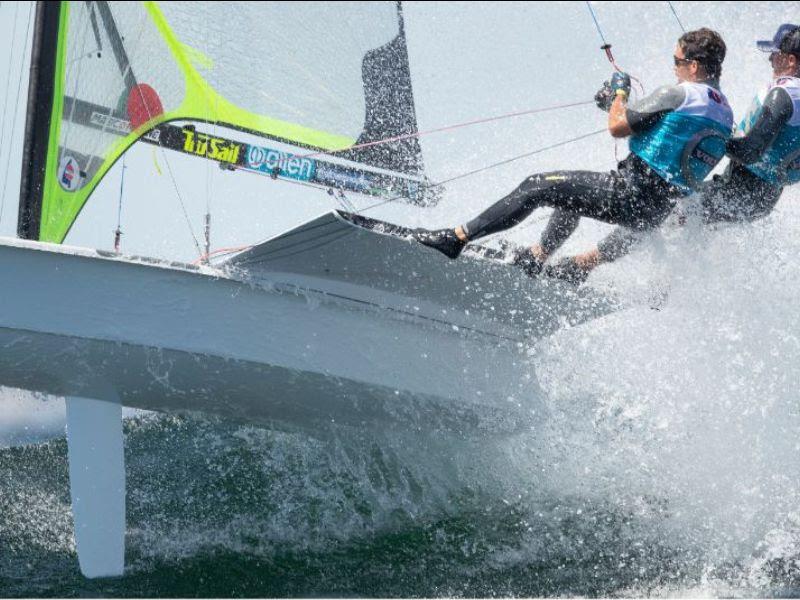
[(27, 418), (667, 465), (694, 404), (669, 461)]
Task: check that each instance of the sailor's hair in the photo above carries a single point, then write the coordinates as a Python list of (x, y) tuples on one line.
[(790, 44), (705, 46)]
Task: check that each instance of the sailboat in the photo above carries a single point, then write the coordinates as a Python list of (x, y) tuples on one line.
[(334, 321)]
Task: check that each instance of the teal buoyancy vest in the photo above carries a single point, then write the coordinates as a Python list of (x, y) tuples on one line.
[(687, 143), (780, 163)]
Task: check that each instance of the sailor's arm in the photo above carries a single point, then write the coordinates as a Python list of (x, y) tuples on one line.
[(775, 113), (618, 125), (615, 245), (625, 120), (577, 268)]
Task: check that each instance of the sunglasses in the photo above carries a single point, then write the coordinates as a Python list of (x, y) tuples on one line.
[(682, 61)]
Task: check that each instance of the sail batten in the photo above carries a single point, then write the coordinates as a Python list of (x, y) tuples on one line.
[(316, 77)]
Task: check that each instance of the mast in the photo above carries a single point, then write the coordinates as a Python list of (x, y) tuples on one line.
[(37, 125)]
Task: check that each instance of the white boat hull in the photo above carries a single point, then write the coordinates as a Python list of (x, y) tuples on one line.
[(278, 346), (328, 323)]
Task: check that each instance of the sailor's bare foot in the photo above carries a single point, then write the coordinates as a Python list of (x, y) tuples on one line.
[(539, 253), (588, 260)]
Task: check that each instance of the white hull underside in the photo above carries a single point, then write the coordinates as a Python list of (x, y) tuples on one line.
[(327, 323)]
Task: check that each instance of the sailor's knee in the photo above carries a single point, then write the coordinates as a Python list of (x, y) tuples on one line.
[(531, 181), (544, 181)]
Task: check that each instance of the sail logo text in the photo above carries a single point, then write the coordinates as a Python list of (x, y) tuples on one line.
[(202, 144), (120, 126), (358, 181), (279, 163)]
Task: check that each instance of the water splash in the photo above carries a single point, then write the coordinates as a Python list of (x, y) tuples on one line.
[(694, 404)]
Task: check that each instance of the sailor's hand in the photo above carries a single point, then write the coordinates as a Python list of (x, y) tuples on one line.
[(621, 84), (604, 97)]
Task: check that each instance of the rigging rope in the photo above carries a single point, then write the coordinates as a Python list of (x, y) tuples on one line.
[(16, 106), (347, 205), (606, 47), (677, 18), (5, 101), (209, 175), (431, 185), (597, 25), (350, 208), (118, 231), (150, 116), (225, 251), (180, 201), (419, 134), (492, 166), (509, 160)]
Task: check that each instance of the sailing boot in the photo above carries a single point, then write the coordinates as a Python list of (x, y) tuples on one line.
[(525, 259), (444, 240)]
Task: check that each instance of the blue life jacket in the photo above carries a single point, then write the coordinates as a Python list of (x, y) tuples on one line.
[(689, 141), (780, 163)]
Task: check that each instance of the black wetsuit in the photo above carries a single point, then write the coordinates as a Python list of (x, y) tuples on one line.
[(736, 196), (634, 196)]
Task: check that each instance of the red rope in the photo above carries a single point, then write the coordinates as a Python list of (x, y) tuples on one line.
[(205, 257), (419, 134), (610, 57)]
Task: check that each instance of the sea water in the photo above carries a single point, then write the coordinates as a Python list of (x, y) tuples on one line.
[(668, 464)]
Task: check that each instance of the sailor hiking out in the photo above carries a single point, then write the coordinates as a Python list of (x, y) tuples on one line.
[(764, 157), (677, 135)]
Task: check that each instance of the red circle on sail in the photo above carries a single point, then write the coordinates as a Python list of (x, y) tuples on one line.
[(143, 105)]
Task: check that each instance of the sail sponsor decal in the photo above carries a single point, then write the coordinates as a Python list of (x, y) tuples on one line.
[(109, 123), (215, 148), (351, 179), (366, 182), (280, 164), (283, 164), (120, 126), (70, 175)]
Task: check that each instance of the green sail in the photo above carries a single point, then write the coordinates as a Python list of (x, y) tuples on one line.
[(318, 76)]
